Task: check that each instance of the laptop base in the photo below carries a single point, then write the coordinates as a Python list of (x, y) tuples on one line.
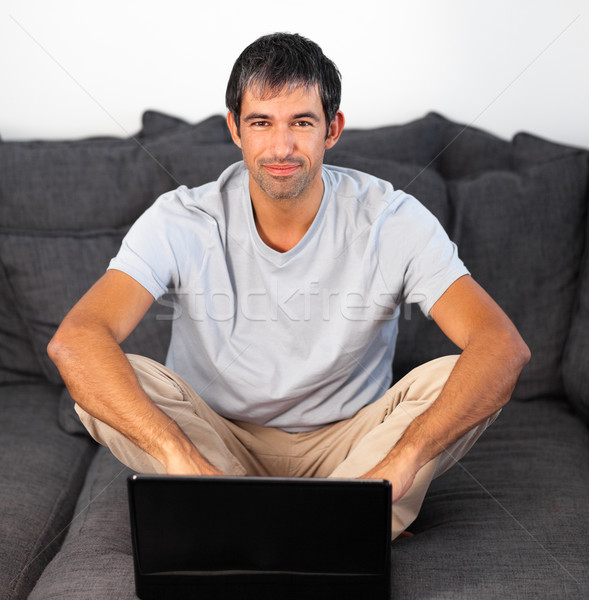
[(262, 586)]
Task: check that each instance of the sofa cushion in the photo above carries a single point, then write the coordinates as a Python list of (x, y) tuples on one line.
[(210, 131), (155, 123), (53, 249), (42, 470), (49, 272), (190, 162), (510, 520), (190, 154), (417, 142), (576, 373), (465, 151), (453, 149), (518, 227), (18, 362), (74, 185), (99, 182), (96, 559), (521, 234)]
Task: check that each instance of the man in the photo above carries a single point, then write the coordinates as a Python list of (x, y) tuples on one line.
[(288, 277)]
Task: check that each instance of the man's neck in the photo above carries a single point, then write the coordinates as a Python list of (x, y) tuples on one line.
[(282, 223)]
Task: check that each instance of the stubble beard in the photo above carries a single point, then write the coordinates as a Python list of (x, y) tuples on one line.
[(285, 187)]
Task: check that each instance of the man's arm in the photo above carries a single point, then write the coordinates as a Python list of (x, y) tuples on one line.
[(482, 381), (99, 377)]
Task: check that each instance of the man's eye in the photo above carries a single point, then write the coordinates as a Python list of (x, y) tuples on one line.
[(303, 124), (260, 123)]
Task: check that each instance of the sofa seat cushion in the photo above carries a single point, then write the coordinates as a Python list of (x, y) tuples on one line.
[(511, 520), (42, 470), (96, 559)]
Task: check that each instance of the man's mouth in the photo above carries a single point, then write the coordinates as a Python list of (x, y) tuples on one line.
[(281, 170)]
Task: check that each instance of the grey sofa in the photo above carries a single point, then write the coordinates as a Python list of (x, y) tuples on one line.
[(511, 520)]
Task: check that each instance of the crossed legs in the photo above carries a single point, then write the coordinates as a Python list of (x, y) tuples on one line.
[(347, 449)]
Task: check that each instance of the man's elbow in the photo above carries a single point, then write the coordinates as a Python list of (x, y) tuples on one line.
[(515, 347), (525, 353), (68, 343), (59, 347)]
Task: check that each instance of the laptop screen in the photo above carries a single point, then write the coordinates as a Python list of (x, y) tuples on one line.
[(256, 524)]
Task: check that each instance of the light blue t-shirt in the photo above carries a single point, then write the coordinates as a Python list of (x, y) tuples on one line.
[(298, 339)]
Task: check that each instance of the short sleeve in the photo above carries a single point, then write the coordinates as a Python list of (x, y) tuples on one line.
[(425, 254), (158, 241)]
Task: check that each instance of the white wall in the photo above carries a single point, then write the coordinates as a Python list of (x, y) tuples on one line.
[(70, 68)]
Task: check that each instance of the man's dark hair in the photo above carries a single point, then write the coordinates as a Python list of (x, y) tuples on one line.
[(283, 60)]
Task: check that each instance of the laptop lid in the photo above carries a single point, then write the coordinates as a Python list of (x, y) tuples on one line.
[(242, 537)]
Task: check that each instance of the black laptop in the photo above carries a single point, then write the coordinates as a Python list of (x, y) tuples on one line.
[(259, 537)]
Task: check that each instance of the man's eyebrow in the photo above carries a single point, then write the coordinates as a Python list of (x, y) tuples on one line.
[(255, 117), (263, 116), (307, 115)]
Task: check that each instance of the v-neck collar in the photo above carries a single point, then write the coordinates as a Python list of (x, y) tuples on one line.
[(274, 256)]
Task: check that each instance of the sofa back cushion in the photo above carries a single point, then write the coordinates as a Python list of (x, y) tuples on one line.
[(521, 233), (516, 209), (49, 272), (76, 185), (105, 182), (64, 209), (18, 360), (575, 365)]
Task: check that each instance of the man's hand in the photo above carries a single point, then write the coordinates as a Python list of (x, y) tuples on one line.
[(192, 463), (397, 471), (401, 479), (99, 376), (482, 381)]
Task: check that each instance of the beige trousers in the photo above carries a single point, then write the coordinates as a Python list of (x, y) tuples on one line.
[(346, 449)]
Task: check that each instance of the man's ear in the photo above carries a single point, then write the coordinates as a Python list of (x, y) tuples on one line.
[(335, 130), (233, 129)]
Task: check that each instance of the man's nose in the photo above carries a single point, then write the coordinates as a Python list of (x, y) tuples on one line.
[(283, 142)]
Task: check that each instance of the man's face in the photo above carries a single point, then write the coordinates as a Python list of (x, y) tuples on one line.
[(283, 140)]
